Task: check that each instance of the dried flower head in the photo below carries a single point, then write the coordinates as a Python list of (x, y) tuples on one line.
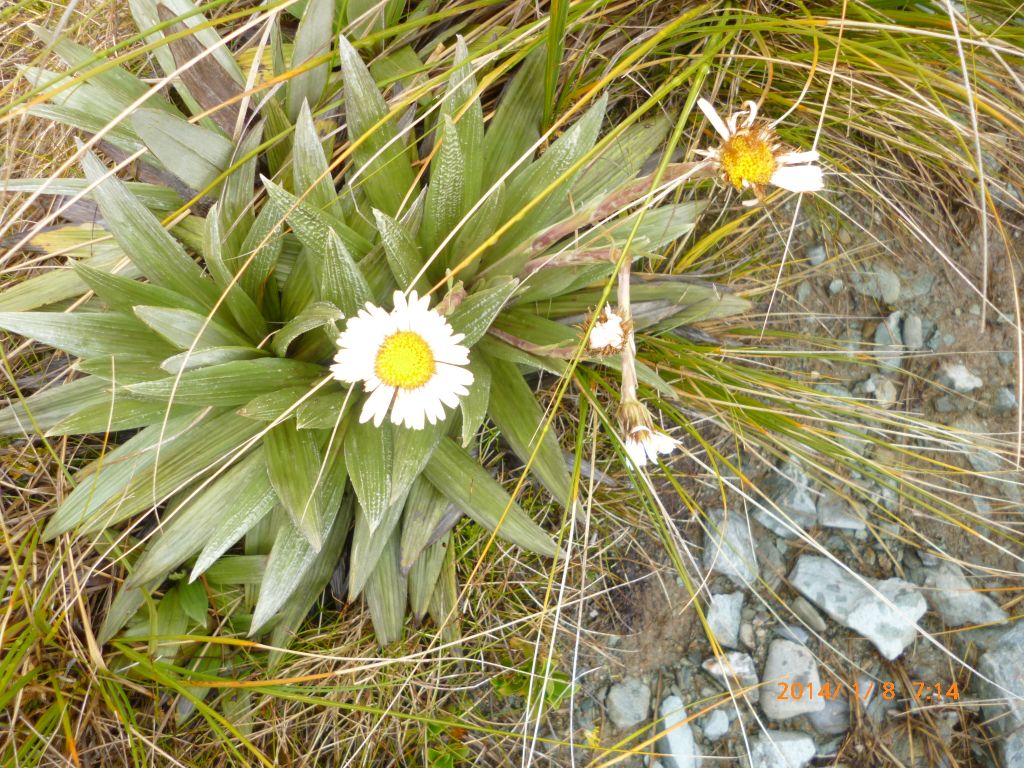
[(751, 156), (642, 441), (609, 333)]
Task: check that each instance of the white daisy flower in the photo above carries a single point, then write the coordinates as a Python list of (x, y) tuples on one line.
[(609, 333), (643, 443), (751, 156), (409, 360)]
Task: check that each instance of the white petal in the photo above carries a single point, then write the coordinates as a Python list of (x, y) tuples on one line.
[(799, 178), (713, 118), (635, 451), (798, 158), (377, 405)]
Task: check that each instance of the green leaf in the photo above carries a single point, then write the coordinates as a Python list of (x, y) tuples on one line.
[(294, 466), (194, 154), (383, 169), (444, 205), (194, 601), (150, 247), (423, 576), (312, 40), (87, 334), (237, 570), (413, 448), (202, 358), (368, 16), (460, 97), (155, 197), (234, 383), (424, 510), (123, 293), (121, 484), (116, 413), (50, 407), (442, 602), (271, 405), (312, 177), (121, 369), (620, 162), (237, 199), (242, 308), (460, 477), (369, 456), (514, 409), (515, 126), (368, 543), (402, 251), (477, 311), (316, 315), (171, 622), (261, 249), (386, 595), (474, 405), (184, 328), (324, 410)]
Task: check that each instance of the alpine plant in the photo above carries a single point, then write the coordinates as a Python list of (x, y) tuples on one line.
[(291, 332)]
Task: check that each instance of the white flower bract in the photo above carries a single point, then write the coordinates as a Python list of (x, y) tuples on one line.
[(751, 155), (643, 445), (609, 333), (409, 360)]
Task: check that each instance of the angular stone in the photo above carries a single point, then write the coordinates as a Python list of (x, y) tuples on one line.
[(729, 548), (628, 703), (913, 333), (735, 668), (789, 489), (835, 512), (884, 612), (1001, 684), (724, 615), (782, 749), (960, 378), (879, 282), (678, 747), (790, 664), (716, 725), (953, 598)]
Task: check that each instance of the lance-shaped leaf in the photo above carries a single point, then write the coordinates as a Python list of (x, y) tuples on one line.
[(312, 175), (114, 414), (369, 456), (463, 106), (87, 334), (328, 252), (292, 564), (514, 409), (442, 601), (460, 477), (124, 483), (121, 369), (367, 544), (516, 123), (242, 308), (260, 251), (324, 410), (237, 199), (425, 512), (383, 169), (476, 312), (444, 205), (51, 406), (401, 250), (273, 405), (194, 154), (123, 293), (241, 493), (233, 570), (474, 405), (386, 595), (149, 246), (155, 197), (316, 315), (185, 329), (234, 383), (423, 576), (413, 448), (201, 358), (294, 467), (312, 41)]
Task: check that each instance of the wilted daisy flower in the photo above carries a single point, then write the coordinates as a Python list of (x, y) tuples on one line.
[(609, 333), (752, 156), (643, 443), (409, 360)]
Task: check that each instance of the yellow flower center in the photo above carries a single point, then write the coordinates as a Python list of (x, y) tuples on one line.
[(404, 360), (747, 156)]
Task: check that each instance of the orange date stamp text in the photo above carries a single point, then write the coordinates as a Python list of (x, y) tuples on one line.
[(920, 690)]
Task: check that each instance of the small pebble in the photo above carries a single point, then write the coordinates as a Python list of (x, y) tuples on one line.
[(816, 255), (1006, 400), (716, 725), (836, 286), (803, 292), (913, 333), (962, 379), (1006, 357)]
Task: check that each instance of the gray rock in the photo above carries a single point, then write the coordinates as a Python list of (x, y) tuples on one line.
[(879, 282), (1005, 400), (884, 612), (882, 389), (790, 491), (729, 548), (789, 663), (836, 286), (1001, 684), (952, 597), (782, 749), (960, 378), (716, 725), (724, 615), (914, 286), (836, 512), (833, 718), (889, 342), (836, 390), (677, 747), (735, 668), (628, 703), (803, 292), (793, 633), (807, 614), (816, 255), (913, 333), (1006, 357)]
